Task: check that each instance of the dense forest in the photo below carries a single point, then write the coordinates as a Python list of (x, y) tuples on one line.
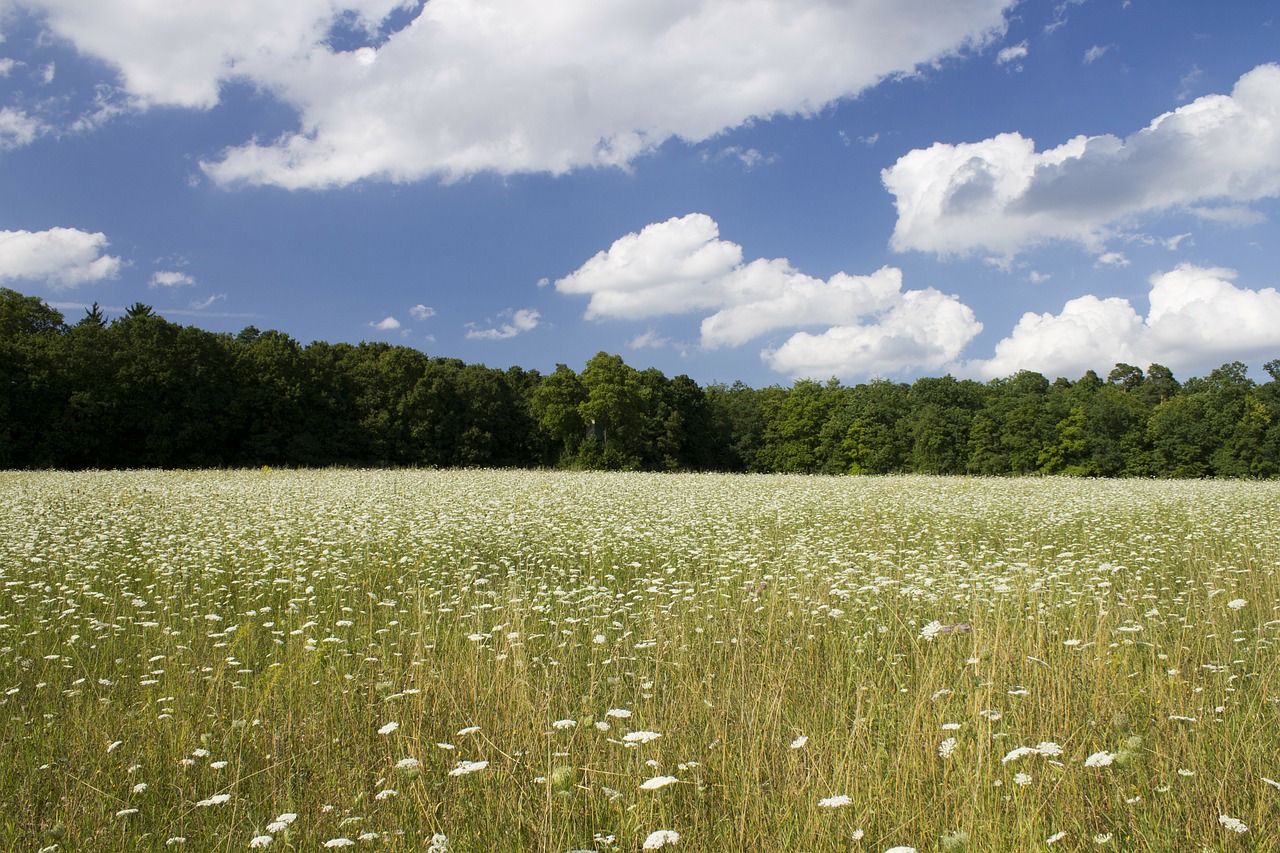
[(140, 391)]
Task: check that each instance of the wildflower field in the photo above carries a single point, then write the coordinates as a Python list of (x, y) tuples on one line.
[(539, 661)]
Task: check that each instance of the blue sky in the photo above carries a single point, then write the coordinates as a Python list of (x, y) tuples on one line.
[(731, 189)]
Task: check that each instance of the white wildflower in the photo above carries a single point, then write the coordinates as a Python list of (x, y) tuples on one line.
[(339, 842), (114, 745), (835, 802), (947, 747), (1022, 779), (439, 843), (1100, 759), (1237, 603), (1055, 838), (386, 794), (389, 728), (930, 631), (618, 713), (465, 767), (564, 725), (799, 743), (1234, 824), (661, 838), (126, 812), (215, 800), (260, 841), (657, 782), (640, 737)]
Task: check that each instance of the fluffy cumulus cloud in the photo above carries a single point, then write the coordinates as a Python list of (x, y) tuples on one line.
[(506, 85), (666, 268), (1002, 196), (1197, 319), (61, 257), (868, 324)]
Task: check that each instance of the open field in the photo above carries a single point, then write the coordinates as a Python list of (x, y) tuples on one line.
[(556, 661)]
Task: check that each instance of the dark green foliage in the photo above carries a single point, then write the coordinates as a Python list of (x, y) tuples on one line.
[(140, 391)]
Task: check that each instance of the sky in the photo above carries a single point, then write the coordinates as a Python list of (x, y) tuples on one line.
[(755, 190)]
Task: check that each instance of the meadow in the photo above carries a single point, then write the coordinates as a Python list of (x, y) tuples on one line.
[(552, 661)]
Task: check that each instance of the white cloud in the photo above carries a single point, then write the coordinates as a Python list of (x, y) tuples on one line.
[(1235, 215), (667, 268), (508, 85), (1197, 319), (202, 304), (1197, 315), (169, 278), (422, 312), (1096, 52), (649, 339), (61, 257), (748, 158), (1112, 259), (769, 294), (7, 65), (1014, 53), (521, 320), (1001, 196), (1089, 334), (680, 266), (386, 324), (923, 329), (18, 129)]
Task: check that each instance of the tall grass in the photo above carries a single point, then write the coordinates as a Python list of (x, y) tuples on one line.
[(830, 664)]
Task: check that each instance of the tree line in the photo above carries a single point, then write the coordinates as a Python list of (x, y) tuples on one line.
[(140, 391)]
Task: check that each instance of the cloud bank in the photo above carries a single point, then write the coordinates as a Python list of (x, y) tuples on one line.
[(869, 324), (1002, 196), (1197, 317), (505, 85), (60, 257)]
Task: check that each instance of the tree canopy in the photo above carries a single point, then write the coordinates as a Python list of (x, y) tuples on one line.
[(139, 391)]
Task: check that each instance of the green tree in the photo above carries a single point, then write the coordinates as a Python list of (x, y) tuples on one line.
[(793, 426), (613, 413), (939, 422), (555, 405)]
